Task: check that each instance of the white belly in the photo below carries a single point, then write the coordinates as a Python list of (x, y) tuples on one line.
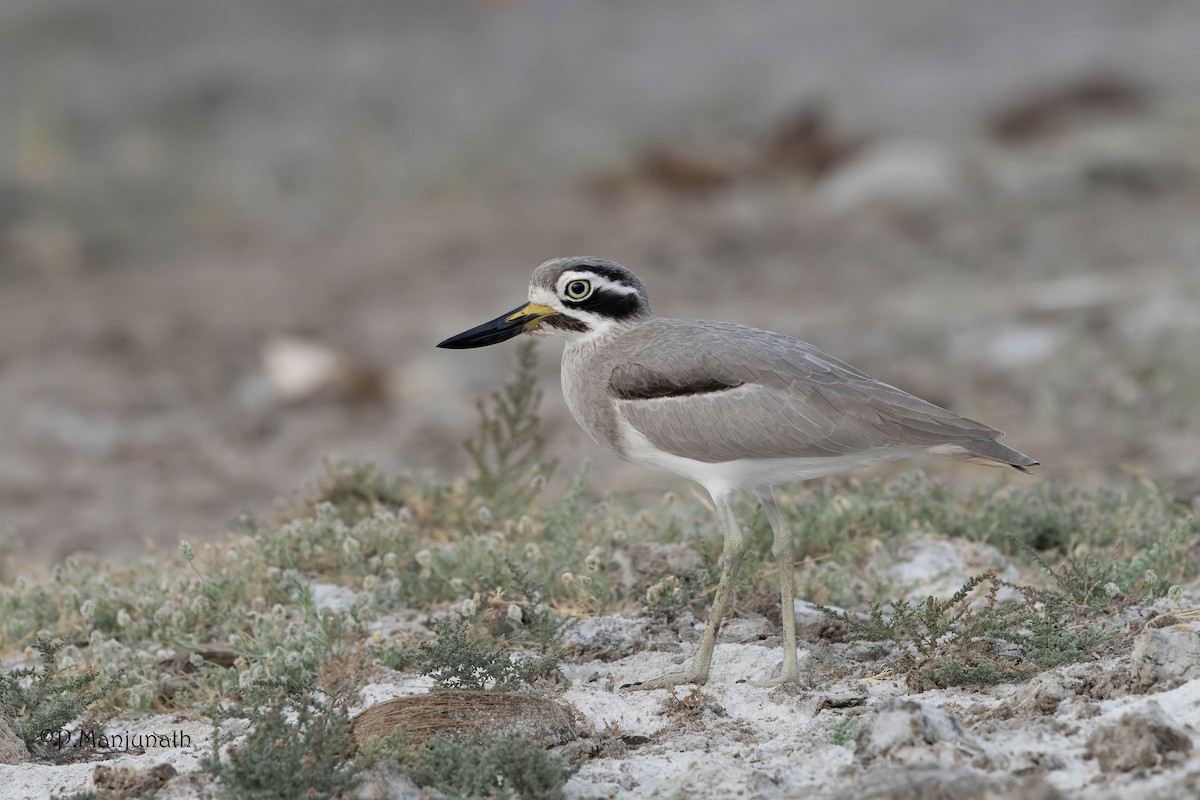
[(751, 474)]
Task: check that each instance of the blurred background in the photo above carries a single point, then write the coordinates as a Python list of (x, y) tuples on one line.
[(231, 232)]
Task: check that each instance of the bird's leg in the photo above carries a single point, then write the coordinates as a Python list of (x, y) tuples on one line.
[(731, 562), (785, 555)]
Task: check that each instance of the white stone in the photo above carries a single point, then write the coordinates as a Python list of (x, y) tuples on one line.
[(911, 174)]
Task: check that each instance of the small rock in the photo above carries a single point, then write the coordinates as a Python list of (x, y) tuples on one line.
[(931, 564), (652, 559), (938, 783), (86, 433), (807, 142), (608, 638), (1054, 108), (1099, 682), (337, 599), (902, 731), (1114, 159), (1175, 785), (1163, 658), (1022, 345), (745, 628), (1145, 738), (636, 567), (1033, 762), (906, 174), (407, 621), (691, 172), (12, 749), (300, 370), (1041, 695), (841, 697), (1071, 295), (814, 625)]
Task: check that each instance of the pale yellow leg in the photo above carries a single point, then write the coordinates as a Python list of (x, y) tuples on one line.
[(786, 556), (731, 561)]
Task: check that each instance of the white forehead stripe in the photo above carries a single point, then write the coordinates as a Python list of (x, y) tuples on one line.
[(598, 282)]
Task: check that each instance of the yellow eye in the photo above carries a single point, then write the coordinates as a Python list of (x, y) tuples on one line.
[(577, 290)]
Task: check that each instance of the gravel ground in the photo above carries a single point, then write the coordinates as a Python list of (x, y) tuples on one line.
[(231, 235), (1119, 726)]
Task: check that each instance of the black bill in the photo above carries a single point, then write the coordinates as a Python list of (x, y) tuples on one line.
[(501, 329)]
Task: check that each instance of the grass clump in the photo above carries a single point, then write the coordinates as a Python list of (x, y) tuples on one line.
[(515, 609), (482, 766), (298, 746), (670, 595), (842, 523), (398, 654), (1101, 584), (841, 733), (953, 641), (456, 660), (44, 701), (1041, 518), (354, 490), (474, 766), (507, 449)]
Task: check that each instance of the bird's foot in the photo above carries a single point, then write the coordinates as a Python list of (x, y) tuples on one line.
[(689, 675), (785, 676)]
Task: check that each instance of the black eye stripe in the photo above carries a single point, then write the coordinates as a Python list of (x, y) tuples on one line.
[(614, 305)]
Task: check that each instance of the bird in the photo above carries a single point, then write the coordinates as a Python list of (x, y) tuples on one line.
[(731, 407)]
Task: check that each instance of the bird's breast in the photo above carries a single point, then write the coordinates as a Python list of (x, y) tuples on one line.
[(585, 377)]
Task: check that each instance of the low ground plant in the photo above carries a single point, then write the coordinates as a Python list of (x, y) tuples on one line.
[(474, 766), (457, 660), (298, 745), (841, 733), (289, 604), (45, 699), (972, 638), (483, 766)]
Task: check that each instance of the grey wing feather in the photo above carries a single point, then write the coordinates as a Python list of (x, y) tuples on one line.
[(715, 392)]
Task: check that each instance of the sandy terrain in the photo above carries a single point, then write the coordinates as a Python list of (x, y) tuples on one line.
[(1074, 732), (202, 203)]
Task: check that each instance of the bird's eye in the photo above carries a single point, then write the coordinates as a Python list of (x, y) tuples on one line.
[(577, 290)]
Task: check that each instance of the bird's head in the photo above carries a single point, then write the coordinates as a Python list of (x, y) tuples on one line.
[(577, 297)]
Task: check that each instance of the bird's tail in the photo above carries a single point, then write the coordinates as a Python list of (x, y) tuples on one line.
[(988, 452)]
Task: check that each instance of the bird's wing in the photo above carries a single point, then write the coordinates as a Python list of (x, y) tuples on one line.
[(716, 392)]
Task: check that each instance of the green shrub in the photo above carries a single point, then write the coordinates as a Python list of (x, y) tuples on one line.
[(507, 449), (954, 642), (457, 661), (842, 732), (297, 747), (51, 700), (481, 766), (354, 490)]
